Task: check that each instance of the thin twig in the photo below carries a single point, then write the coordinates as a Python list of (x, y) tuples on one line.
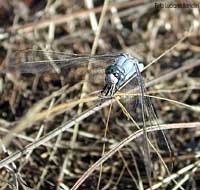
[(128, 140), (65, 18), (86, 114)]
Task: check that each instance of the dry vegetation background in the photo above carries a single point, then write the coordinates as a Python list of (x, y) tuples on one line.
[(32, 106)]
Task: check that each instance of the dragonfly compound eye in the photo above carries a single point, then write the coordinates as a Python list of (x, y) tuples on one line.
[(110, 69)]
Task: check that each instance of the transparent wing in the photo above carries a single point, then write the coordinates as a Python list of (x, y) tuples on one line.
[(35, 61), (141, 110)]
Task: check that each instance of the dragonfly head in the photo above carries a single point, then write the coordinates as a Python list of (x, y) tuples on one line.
[(111, 79), (113, 74)]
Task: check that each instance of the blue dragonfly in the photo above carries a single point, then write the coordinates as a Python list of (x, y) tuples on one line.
[(110, 73)]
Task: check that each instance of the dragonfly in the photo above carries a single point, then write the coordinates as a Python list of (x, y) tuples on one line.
[(110, 72)]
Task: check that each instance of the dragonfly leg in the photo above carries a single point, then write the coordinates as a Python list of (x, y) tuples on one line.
[(106, 90)]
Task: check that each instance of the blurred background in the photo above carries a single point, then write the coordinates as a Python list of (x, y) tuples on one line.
[(157, 32)]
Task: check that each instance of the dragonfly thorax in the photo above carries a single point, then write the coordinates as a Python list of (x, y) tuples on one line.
[(121, 70)]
